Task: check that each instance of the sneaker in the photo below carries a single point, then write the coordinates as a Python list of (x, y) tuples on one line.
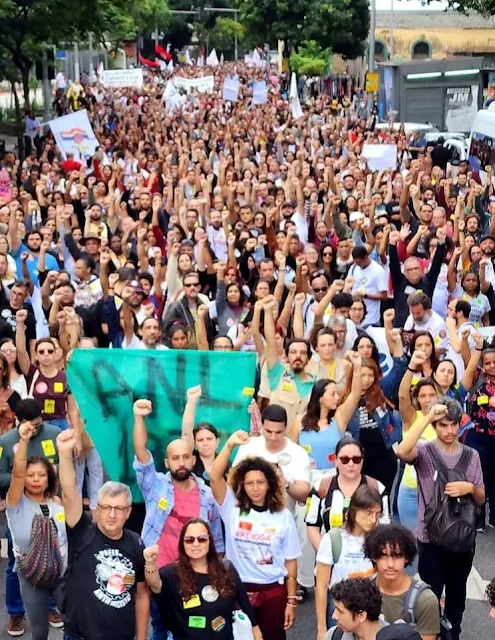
[(16, 626), (481, 529), (55, 619)]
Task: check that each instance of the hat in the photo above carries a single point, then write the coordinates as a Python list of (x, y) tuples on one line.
[(488, 236), (91, 236), (355, 216), (288, 203), (398, 631), (136, 285)]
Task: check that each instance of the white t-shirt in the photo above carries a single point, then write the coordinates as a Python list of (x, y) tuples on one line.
[(259, 542), (457, 357), (435, 325), (352, 561), (293, 460), (373, 279)]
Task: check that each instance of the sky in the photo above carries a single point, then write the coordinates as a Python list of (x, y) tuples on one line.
[(409, 5)]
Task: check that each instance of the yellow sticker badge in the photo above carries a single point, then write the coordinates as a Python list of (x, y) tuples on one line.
[(162, 504), (48, 448)]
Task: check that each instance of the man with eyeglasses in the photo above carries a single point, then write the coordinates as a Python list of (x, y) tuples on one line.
[(105, 591), (185, 310), (171, 499), (8, 310)]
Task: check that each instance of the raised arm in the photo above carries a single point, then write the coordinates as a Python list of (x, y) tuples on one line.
[(20, 341), (217, 481), (18, 478), (72, 499), (407, 450), (406, 409), (142, 408), (189, 415), (346, 410)]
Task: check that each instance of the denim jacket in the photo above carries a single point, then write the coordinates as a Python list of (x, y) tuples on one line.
[(389, 423), (158, 492)]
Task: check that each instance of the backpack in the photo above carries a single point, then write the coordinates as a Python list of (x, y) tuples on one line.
[(42, 565), (450, 522), (409, 616), (396, 631)]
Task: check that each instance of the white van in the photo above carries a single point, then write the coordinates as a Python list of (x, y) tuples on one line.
[(481, 149)]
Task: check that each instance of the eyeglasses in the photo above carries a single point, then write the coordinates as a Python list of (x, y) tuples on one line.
[(191, 284), (347, 459), (107, 508), (326, 254), (44, 353), (192, 539), (320, 289)]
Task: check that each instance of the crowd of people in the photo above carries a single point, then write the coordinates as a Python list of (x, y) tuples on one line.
[(231, 226)]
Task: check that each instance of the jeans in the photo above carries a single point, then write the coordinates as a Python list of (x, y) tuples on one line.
[(407, 507), (331, 622), (61, 423), (13, 597), (441, 568), (37, 601), (485, 446), (159, 632)]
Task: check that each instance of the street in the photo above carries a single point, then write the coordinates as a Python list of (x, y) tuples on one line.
[(476, 624)]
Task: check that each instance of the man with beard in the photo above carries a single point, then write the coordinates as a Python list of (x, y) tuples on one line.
[(290, 385), (171, 499), (487, 246), (33, 241)]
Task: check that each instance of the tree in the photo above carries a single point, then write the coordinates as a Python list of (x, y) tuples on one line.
[(310, 59), (223, 34), (341, 25)]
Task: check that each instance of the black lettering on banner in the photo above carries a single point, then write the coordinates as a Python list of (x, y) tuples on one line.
[(121, 389)]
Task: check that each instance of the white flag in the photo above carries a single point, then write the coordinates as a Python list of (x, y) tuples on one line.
[(295, 105), (212, 59), (188, 58), (73, 134), (170, 66)]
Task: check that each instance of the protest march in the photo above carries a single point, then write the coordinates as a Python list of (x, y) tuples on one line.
[(247, 363)]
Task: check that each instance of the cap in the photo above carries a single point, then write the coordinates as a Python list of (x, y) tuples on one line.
[(355, 216), (288, 203), (91, 236), (136, 285), (398, 631), (488, 236)]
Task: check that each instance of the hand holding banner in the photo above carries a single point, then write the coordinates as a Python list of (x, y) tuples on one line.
[(107, 382)]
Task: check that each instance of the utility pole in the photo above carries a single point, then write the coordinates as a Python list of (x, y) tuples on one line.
[(46, 87), (77, 74), (91, 65), (371, 45)]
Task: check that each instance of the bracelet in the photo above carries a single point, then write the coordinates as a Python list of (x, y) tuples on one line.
[(476, 349), (289, 578), (411, 370), (290, 604), (291, 597), (150, 568)]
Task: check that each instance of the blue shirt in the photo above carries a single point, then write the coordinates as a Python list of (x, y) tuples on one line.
[(321, 445), (32, 263)]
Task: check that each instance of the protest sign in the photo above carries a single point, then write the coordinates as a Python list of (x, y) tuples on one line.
[(107, 382), (259, 92), (73, 134), (230, 89), (295, 104), (380, 156), (123, 78), (204, 84)]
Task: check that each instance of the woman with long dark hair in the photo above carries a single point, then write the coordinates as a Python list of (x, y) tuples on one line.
[(423, 341), (8, 397), (375, 425), (198, 594), (260, 535)]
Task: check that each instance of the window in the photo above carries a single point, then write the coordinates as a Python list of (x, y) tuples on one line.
[(381, 51), (421, 50)]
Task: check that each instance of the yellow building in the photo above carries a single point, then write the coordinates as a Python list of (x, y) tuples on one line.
[(420, 35)]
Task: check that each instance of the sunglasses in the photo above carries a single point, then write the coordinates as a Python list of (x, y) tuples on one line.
[(201, 539), (327, 253), (191, 284), (347, 459), (320, 289), (44, 353)]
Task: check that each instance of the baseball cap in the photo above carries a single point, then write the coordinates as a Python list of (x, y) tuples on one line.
[(398, 631), (488, 236), (355, 216), (288, 203), (136, 285)]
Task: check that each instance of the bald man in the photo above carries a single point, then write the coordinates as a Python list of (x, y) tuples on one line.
[(171, 498)]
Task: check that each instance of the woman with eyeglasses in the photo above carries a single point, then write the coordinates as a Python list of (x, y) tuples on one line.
[(197, 595), (260, 535), (35, 517), (341, 554), (46, 383)]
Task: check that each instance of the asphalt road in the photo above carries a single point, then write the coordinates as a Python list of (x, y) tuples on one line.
[(476, 624)]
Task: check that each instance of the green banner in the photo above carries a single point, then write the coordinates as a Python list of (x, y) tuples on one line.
[(107, 382)]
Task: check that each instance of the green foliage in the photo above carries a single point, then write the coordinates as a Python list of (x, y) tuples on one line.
[(311, 59), (341, 25)]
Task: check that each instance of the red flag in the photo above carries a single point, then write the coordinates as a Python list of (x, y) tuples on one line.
[(148, 63), (160, 51)]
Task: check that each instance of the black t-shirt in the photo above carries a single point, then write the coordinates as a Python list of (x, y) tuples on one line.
[(7, 313), (206, 615), (101, 583)]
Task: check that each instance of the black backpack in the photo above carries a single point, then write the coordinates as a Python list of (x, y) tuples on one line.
[(450, 522)]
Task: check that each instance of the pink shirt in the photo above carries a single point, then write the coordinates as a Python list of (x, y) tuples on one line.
[(186, 506)]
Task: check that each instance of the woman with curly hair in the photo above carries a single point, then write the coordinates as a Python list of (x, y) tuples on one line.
[(199, 593), (260, 536), (490, 594)]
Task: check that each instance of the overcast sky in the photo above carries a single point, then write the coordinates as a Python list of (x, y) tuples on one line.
[(409, 5)]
